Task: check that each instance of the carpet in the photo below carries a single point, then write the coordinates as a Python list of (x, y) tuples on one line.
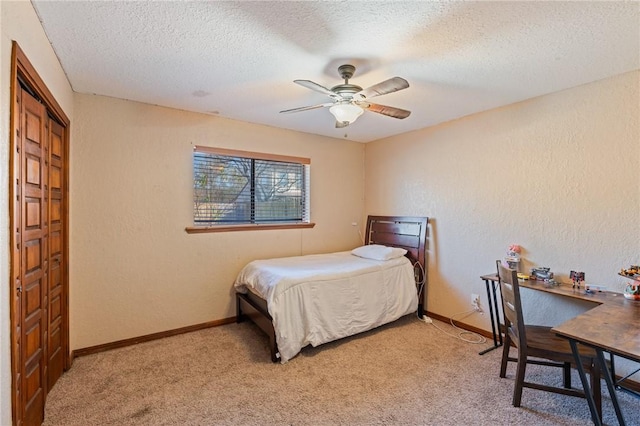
[(404, 373)]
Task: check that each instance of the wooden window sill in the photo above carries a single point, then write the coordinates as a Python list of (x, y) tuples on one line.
[(246, 227)]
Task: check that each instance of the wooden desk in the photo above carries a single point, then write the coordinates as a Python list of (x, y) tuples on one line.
[(491, 284), (612, 327)]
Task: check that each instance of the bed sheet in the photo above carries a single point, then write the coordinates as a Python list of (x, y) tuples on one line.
[(316, 299)]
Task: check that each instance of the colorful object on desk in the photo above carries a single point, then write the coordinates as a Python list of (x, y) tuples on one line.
[(591, 288), (541, 274), (632, 291), (632, 272), (522, 276), (545, 275), (514, 249), (513, 256), (577, 278)]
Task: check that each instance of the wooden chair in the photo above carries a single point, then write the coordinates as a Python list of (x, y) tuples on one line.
[(541, 343)]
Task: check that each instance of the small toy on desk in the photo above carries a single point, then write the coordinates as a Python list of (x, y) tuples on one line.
[(591, 288), (632, 291), (513, 256), (577, 278), (543, 274), (632, 272)]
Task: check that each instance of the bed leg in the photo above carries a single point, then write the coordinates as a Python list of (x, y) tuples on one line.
[(420, 311), (239, 317)]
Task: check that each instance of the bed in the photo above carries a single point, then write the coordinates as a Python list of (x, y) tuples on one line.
[(315, 299)]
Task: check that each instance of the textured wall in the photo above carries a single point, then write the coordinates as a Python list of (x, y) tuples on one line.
[(134, 269), (557, 174), (18, 21)]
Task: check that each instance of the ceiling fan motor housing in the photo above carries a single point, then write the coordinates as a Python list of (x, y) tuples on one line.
[(346, 71), (346, 90)]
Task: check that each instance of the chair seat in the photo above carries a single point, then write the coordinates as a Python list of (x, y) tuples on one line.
[(542, 342)]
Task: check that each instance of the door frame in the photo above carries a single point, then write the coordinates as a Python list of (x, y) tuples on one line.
[(23, 71)]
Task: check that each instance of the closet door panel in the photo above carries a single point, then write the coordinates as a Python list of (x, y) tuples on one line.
[(34, 258), (57, 299)]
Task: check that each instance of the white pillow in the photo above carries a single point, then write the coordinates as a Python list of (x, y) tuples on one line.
[(378, 252)]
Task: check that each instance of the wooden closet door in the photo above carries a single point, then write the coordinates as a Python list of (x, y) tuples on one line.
[(31, 289), (39, 241), (56, 293)]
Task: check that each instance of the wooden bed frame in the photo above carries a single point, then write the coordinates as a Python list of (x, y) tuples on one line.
[(406, 232)]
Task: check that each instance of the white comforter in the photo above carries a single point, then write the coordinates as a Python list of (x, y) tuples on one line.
[(315, 299)]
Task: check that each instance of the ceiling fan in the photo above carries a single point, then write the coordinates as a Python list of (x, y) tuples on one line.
[(350, 101)]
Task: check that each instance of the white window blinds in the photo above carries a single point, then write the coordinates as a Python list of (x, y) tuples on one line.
[(238, 187)]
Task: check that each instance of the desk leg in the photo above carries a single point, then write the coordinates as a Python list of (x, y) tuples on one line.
[(610, 385), (618, 382), (585, 383), (495, 286), (495, 320)]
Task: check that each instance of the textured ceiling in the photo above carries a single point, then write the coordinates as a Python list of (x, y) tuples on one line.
[(239, 59)]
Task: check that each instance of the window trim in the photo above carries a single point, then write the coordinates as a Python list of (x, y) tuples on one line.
[(245, 227), (249, 226), (252, 154)]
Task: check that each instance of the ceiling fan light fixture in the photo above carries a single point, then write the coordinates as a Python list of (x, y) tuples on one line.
[(349, 99), (346, 112)]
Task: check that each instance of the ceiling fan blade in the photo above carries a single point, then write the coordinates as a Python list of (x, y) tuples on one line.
[(307, 108), (388, 86), (341, 124), (386, 110), (318, 88)]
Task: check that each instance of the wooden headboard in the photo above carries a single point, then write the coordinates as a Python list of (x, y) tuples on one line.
[(407, 232)]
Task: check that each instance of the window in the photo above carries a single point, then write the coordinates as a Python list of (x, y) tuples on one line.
[(247, 188)]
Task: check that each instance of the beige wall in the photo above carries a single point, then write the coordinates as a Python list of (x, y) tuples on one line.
[(558, 175), (134, 269), (18, 21)]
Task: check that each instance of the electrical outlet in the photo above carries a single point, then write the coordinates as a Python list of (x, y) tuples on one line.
[(475, 302), (475, 299)]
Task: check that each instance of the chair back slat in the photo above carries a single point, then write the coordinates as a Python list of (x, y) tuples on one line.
[(511, 304)]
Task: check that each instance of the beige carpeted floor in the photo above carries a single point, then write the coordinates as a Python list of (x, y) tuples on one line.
[(406, 373)]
